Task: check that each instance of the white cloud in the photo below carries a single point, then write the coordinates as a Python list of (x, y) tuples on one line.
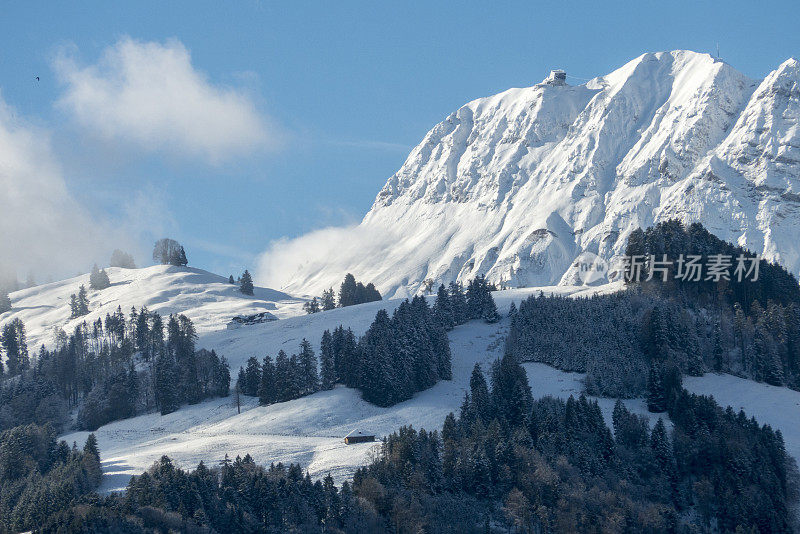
[(43, 228), (149, 94)]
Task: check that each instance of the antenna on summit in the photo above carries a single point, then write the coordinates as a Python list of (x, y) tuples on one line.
[(718, 51)]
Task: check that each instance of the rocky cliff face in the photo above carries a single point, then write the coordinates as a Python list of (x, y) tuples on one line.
[(514, 186)]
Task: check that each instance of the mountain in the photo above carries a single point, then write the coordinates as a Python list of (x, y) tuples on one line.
[(207, 299), (516, 185)]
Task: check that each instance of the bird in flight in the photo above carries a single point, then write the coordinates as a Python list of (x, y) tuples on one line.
[(37, 78)]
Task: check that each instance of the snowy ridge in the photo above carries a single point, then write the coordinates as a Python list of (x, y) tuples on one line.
[(207, 299), (516, 185)]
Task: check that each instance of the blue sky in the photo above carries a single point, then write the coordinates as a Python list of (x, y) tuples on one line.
[(340, 93)]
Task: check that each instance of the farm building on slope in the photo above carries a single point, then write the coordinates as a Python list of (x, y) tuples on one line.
[(356, 436)]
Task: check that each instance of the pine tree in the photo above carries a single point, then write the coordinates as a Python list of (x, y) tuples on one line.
[(83, 300), (442, 308), (223, 378), (512, 311), (380, 385), (79, 304), (266, 390), (312, 306), (489, 312), (231, 280), (5, 301), (166, 378), (347, 291), (511, 393), (474, 299), (252, 377), (328, 300), (458, 304), (662, 449), (180, 259), (246, 283), (309, 378), (656, 395), (327, 361), (98, 279), (15, 347), (479, 393)]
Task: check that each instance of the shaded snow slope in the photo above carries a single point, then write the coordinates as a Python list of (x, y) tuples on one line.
[(516, 185), (206, 298)]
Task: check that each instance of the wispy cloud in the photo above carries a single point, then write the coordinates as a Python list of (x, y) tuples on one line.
[(150, 95), (44, 228)]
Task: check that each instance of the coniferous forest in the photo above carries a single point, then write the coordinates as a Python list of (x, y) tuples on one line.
[(505, 463), (111, 369)]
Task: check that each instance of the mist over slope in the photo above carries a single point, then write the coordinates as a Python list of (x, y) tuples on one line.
[(516, 185)]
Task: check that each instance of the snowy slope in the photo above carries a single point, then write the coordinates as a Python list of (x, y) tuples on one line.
[(516, 185), (207, 299), (310, 430)]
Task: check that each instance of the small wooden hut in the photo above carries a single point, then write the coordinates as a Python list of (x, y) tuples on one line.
[(357, 436)]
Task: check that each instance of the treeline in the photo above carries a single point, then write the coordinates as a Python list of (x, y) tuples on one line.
[(627, 340), (109, 369), (40, 477), (350, 294), (673, 239), (287, 378), (396, 357), (506, 463)]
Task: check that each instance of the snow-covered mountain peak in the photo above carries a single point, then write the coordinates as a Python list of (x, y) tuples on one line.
[(516, 185)]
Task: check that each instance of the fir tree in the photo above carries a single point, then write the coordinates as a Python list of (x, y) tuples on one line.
[(222, 378), (328, 300), (458, 303), (479, 393), (266, 390), (180, 259), (98, 279), (511, 394), (489, 312), (166, 378), (442, 309), (252, 377), (327, 361), (656, 395), (309, 378), (5, 301), (15, 347), (347, 291), (312, 306), (79, 304), (381, 387), (246, 283)]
